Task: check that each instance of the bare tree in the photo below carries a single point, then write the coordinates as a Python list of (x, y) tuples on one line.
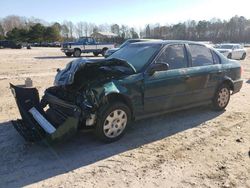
[(80, 29), (115, 28), (11, 22), (71, 27)]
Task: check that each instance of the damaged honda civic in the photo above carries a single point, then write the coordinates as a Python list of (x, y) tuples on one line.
[(139, 81)]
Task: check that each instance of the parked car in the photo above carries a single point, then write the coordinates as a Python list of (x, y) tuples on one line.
[(85, 45), (10, 44), (138, 81), (129, 41), (54, 44), (232, 51)]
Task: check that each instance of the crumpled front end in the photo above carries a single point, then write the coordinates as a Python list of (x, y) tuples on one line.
[(38, 124), (72, 102)]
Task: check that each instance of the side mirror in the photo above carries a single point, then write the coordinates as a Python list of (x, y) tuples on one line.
[(158, 67)]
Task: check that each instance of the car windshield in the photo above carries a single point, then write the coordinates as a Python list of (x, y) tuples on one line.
[(124, 44), (225, 46), (137, 55)]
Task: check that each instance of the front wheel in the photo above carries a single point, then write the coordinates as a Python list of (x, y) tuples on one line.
[(221, 97), (112, 121), (229, 56)]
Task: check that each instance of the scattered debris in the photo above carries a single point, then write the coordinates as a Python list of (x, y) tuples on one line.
[(28, 82), (222, 168), (239, 140)]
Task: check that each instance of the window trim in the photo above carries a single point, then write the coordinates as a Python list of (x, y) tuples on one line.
[(214, 54), (191, 57), (186, 55)]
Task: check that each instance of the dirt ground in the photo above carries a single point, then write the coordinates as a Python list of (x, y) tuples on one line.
[(191, 148)]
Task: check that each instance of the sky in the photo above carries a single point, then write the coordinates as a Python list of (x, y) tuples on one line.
[(136, 13)]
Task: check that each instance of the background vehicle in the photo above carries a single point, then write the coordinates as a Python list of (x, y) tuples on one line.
[(138, 81), (232, 51), (9, 44), (129, 41), (85, 45)]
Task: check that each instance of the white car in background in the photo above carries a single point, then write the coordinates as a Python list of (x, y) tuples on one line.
[(232, 51)]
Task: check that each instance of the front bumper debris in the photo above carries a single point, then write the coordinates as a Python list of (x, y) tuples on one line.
[(35, 124), (237, 85)]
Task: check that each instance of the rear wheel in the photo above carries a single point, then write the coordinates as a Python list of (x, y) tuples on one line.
[(104, 51), (77, 53), (243, 56), (95, 53), (221, 97), (112, 121), (68, 54)]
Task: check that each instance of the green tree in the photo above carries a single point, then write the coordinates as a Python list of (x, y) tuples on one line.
[(36, 33), (17, 35), (51, 34)]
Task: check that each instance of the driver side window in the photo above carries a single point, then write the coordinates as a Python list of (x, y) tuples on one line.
[(174, 56)]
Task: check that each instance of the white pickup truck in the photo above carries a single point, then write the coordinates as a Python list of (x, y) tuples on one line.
[(85, 45)]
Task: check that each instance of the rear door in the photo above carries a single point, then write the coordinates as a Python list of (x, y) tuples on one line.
[(205, 73)]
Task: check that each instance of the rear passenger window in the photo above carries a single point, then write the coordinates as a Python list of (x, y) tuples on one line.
[(201, 55), (175, 56)]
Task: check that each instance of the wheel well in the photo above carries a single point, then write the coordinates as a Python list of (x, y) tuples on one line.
[(229, 83), (77, 49), (114, 97)]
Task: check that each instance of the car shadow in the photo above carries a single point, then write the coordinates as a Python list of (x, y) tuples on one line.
[(23, 163), (65, 57)]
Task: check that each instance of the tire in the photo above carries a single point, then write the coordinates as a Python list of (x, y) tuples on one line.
[(104, 51), (112, 121), (243, 56), (77, 53), (95, 53), (221, 97), (229, 56), (68, 54)]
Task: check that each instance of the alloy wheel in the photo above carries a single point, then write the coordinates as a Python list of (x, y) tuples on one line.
[(115, 123)]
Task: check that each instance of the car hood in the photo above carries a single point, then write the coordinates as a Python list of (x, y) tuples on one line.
[(83, 71)]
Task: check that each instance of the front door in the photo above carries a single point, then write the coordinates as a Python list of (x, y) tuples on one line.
[(168, 89)]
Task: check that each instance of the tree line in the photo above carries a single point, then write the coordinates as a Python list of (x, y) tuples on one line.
[(21, 29)]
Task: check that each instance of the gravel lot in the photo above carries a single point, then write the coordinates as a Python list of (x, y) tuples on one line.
[(191, 148)]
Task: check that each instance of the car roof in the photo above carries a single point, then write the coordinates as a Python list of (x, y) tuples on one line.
[(232, 44), (144, 40), (165, 42)]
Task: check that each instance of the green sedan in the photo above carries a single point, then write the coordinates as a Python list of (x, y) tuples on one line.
[(138, 81)]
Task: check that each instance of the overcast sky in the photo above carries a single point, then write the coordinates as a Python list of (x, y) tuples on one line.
[(135, 13)]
